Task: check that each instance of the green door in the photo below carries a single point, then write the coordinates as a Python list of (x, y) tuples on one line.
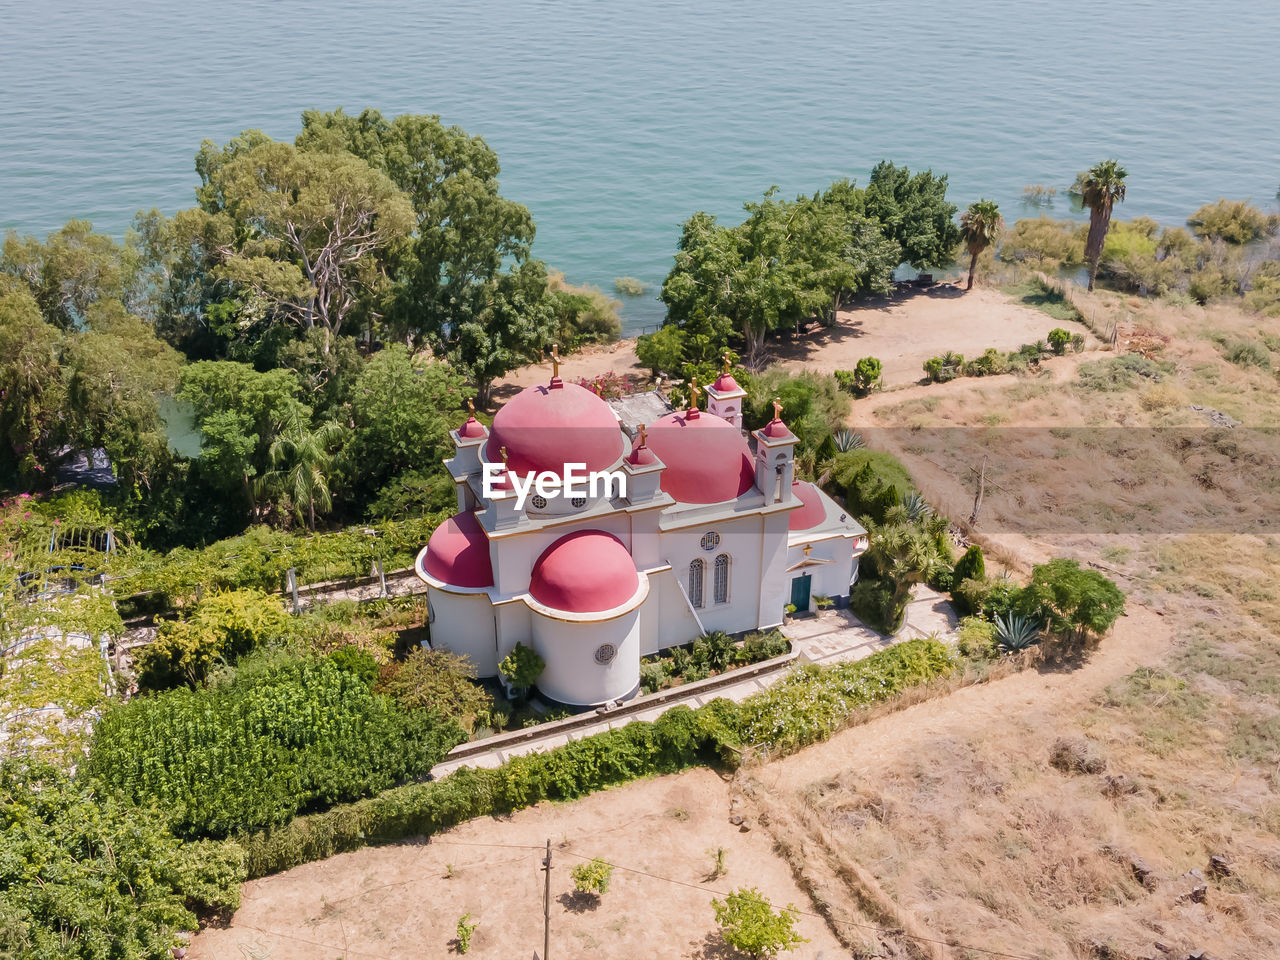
[(800, 593)]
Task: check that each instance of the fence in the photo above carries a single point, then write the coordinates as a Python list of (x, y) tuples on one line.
[(1103, 327)]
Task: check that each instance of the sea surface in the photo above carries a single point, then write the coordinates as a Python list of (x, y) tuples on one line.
[(616, 120)]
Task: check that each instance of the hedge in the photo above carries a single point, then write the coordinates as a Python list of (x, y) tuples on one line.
[(809, 705)]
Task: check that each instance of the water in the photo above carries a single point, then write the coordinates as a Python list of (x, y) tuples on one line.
[(616, 120)]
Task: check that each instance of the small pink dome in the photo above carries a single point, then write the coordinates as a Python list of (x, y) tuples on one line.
[(473, 429), (775, 429), (811, 511), (545, 427), (585, 572), (726, 384), (706, 457), (458, 553), (641, 455)]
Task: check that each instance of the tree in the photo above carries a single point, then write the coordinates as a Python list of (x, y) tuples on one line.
[(438, 681), (866, 374), (314, 229), (1071, 601), (980, 226), (592, 877), (522, 667), (900, 554), (32, 391), (661, 351), (912, 209), (749, 923), (1099, 188), (468, 282), (302, 459), (401, 412)]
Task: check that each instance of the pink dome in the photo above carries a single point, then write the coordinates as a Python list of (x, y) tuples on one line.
[(706, 458), (585, 572), (473, 429), (726, 384), (775, 429), (811, 511), (641, 456), (545, 427), (458, 553)]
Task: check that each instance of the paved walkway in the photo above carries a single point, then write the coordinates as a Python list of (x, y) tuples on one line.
[(831, 636)]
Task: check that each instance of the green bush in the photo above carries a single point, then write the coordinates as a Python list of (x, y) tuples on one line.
[(1247, 353), (1070, 601), (1232, 221), (810, 704), (440, 682), (223, 627), (946, 367), (987, 596), (662, 351), (283, 736), (870, 481), (846, 380), (356, 661), (991, 363), (977, 638), (971, 566), (592, 877), (866, 374), (1059, 339), (1116, 374), (522, 667), (85, 876), (749, 923)]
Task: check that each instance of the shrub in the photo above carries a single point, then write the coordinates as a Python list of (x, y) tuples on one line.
[(522, 667), (585, 314), (1116, 374), (653, 676), (977, 638), (592, 877), (847, 440), (662, 351), (866, 374), (282, 736), (440, 682), (356, 661), (1161, 396), (1045, 242), (846, 381), (945, 367), (749, 923), (85, 876), (1070, 601), (763, 646), (1058, 340), (224, 626), (971, 566), (991, 363), (630, 286), (1247, 353), (466, 927), (1232, 221)]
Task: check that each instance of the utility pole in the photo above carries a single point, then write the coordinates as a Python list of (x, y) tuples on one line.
[(546, 903)]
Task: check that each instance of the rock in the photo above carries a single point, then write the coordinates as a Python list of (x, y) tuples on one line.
[(1075, 755), (1118, 785), (1199, 893), (1142, 872), (736, 819), (745, 826), (1200, 955), (1219, 866)]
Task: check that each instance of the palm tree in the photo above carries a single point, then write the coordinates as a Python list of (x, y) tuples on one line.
[(1099, 188), (303, 458), (980, 226), (901, 554)]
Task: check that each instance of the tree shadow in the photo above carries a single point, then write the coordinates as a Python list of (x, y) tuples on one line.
[(579, 901), (713, 947)]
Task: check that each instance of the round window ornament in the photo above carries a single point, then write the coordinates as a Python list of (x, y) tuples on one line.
[(605, 653), (539, 502), (710, 540), (579, 502)]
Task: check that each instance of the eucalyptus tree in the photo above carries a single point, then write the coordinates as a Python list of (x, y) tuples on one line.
[(980, 225), (1100, 188)]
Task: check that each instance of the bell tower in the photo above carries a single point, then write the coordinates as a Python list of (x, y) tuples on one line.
[(775, 458), (724, 397)]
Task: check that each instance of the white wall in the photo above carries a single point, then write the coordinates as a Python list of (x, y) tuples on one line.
[(463, 623), (572, 674)]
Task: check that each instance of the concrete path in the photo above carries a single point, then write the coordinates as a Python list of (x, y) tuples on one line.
[(832, 636)]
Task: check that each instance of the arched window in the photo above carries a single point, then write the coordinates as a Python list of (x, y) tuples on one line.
[(721, 582), (695, 582)]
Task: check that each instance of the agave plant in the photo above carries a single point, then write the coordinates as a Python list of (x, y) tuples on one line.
[(917, 507), (846, 440), (1015, 633)]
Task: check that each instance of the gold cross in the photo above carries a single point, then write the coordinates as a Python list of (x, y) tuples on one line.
[(642, 435), (503, 450), (693, 393), (727, 364), (777, 408), (555, 360), (471, 407)]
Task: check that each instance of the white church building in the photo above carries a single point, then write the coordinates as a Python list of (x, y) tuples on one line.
[(713, 533)]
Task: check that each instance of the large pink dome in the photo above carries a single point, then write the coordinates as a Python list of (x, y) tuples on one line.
[(707, 459), (585, 572), (811, 512), (547, 426), (458, 553)]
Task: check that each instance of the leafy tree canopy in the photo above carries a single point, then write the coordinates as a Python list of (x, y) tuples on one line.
[(913, 210)]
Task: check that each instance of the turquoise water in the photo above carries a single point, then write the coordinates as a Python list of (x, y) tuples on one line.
[(615, 120)]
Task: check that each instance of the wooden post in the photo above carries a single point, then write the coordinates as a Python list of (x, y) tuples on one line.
[(977, 500), (546, 903), (291, 583)]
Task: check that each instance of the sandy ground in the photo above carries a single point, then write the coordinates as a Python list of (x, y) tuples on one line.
[(399, 900), (903, 331)]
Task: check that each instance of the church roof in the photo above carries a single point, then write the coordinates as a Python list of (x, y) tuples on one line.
[(458, 553), (706, 457), (811, 512), (547, 426), (589, 571)]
